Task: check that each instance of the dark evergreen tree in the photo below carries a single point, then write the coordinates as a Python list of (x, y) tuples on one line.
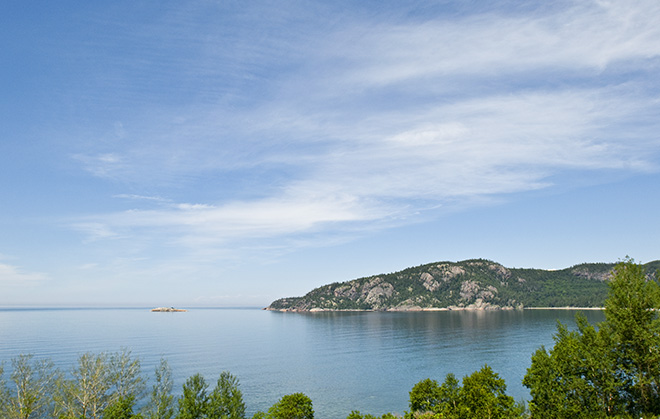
[(226, 400), (121, 408), (193, 403)]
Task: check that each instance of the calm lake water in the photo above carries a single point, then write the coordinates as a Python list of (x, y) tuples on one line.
[(342, 361)]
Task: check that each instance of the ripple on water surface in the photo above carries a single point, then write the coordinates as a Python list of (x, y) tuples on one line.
[(343, 361)]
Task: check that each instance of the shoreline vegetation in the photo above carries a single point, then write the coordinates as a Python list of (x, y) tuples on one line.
[(400, 310), (470, 285), (564, 308), (609, 369)]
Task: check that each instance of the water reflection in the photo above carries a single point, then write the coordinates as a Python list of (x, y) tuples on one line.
[(350, 360)]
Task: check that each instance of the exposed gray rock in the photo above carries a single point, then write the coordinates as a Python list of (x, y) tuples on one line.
[(500, 270), (585, 273), (469, 290), (347, 291), (429, 282), (376, 290), (449, 272), (477, 284)]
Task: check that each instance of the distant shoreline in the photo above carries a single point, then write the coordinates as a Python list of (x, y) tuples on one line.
[(564, 308), (419, 309)]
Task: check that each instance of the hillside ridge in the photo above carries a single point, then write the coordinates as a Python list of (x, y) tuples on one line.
[(473, 284)]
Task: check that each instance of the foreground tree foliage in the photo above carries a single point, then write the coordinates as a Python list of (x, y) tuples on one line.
[(193, 403), (121, 408), (355, 414), (483, 395), (224, 402), (608, 370), (292, 406), (102, 386), (161, 402), (33, 382), (611, 370)]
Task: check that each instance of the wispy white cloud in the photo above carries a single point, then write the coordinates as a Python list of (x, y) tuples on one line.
[(589, 36), (11, 273), (102, 165), (95, 230), (236, 220), (141, 197), (379, 120), (202, 136)]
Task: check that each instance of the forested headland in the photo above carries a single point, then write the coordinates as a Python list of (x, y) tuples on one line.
[(610, 369), (476, 284)]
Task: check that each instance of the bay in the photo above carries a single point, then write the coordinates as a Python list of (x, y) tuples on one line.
[(366, 361)]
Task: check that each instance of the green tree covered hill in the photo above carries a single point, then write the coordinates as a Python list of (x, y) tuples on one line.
[(469, 284)]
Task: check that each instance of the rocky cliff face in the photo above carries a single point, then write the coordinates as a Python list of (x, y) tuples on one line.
[(472, 284)]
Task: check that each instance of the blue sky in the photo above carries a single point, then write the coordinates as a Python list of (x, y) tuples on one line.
[(225, 153)]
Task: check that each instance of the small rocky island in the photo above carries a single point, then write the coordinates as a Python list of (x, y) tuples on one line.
[(168, 310)]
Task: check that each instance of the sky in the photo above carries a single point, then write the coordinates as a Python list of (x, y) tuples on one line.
[(229, 153)]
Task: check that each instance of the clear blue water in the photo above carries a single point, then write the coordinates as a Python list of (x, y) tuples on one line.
[(342, 361)]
